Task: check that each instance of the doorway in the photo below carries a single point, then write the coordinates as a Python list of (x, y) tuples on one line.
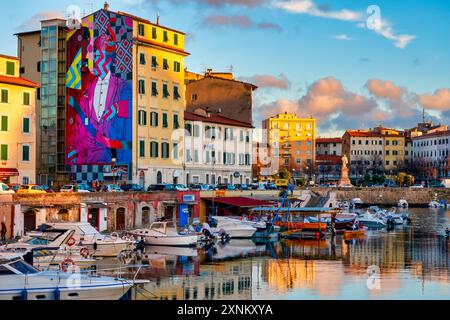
[(159, 177), (145, 216), (29, 221), (94, 218), (120, 219)]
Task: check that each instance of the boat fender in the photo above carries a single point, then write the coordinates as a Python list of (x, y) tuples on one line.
[(71, 242), (57, 294), (84, 252), (24, 295)]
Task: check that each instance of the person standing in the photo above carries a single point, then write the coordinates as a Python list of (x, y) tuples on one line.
[(3, 231)]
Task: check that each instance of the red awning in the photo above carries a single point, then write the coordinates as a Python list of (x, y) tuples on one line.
[(8, 172), (241, 202)]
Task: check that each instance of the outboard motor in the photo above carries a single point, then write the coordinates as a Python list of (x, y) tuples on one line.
[(207, 234)]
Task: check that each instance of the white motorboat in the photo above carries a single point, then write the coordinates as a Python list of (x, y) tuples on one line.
[(55, 238), (371, 221), (357, 203), (21, 281), (233, 227), (165, 234), (434, 204), (87, 236), (402, 203)]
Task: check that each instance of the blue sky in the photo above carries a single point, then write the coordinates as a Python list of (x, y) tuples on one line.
[(312, 57)]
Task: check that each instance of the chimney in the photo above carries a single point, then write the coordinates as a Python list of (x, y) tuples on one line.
[(106, 6), (157, 19)]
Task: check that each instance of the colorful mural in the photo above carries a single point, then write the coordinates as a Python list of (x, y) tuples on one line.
[(99, 91)]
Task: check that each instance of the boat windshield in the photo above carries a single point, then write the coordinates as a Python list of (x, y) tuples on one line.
[(44, 238), (89, 230), (170, 225), (23, 267)]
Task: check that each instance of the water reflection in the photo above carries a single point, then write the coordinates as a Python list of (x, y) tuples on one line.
[(413, 263)]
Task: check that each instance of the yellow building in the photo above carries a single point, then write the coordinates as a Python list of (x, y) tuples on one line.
[(292, 143), (159, 97), (17, 124)]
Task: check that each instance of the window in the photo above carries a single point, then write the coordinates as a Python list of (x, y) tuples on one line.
[(176, 93), (154, 149), (5, 98), (229, 134), (26, 98), (175, 151), (25, 153), (154, 89), (188, 155), (165, 150), (196, 160), (154, 33), (241, 135), (188, 128), (4, 152), (165, 121), (4, 124), (175, 39), (141, 30), (142, 86), (196, 131), (165, 36), (165, 64), (176, 66), (10, 68), (387, 142), (154, 119), (26, 125), (142, 148), (166, 93), (142, 118), (154, 62), (176, 124), (142, 58)]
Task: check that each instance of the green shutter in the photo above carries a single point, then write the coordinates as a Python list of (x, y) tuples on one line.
[(4, 151), (25, 153), (175, 39), (166, 91), (176, 124), (154, 89), (176, 94), (165, 121), (26, 125), (26, 98), (142, 58), (4, 123), (142, 148), (165, 64), (10, 68), (5, 96), (154, 62), (154, 33)]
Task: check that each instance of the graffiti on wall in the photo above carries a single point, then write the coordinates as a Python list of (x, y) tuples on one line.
[(99, 90)]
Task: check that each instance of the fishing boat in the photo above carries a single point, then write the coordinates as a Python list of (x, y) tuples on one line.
[(165, 234), (86, 235), (22, 281)]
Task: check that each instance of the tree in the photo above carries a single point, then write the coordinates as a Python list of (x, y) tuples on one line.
[(284, 173), (404, 180)]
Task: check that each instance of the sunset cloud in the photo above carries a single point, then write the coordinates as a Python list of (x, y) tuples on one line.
[(34, 22), (385, 89), (440, 100), (268, 81)]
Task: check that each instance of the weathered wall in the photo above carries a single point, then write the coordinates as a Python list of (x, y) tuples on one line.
[(388, 196)]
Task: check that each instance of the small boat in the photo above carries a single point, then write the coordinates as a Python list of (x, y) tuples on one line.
[(21, 281), (86, 235), (165, 234), (371, 221), (434, 204), (302, 225), (357, 203), (233, 227), (402, 203)]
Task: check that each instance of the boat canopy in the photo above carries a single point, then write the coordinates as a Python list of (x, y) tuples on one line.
[(293, 210)]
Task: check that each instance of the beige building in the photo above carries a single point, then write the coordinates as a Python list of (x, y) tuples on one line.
[(17, 124)]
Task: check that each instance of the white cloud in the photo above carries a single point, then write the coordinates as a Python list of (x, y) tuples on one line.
[(343, 37)]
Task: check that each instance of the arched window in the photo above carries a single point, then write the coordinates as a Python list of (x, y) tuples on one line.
[(145, 216), (159, 177)]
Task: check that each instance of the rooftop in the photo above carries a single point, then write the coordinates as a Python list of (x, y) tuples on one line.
[(8, 57), (328, 140), (215, 118), (432, 135), (18, 81)]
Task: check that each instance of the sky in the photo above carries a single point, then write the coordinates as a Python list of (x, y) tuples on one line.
[(348, 63)]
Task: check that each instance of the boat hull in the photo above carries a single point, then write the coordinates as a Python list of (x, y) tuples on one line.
[(109, 249), (179, 241)]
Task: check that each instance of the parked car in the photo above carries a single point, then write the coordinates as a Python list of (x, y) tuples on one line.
[(14, 186), (180, 187), (417, 186), (47, 189), (4, 189), (228, 187), (132, 187), (253, 186), (80, 188), (30, 188), (242, 187), (111, 188), (201, 187), (161, 187)]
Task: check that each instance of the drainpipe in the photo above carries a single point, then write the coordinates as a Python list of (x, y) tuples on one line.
[(13, 211)]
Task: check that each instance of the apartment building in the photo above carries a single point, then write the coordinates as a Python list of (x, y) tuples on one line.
[(329, 146), (374, 151), (17, 124), (292, 142), (218, 150)]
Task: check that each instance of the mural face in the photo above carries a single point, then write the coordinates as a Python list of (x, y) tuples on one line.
[(99, 91)]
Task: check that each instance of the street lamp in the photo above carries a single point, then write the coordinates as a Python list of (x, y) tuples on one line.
[(114, 160)]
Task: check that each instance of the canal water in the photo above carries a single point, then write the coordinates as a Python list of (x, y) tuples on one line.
[(410, 262)]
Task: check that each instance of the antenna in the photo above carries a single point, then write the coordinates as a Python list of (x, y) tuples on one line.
[(423, 115), (230, 69)]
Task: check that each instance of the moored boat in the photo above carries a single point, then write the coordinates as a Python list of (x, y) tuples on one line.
[(165, 234)]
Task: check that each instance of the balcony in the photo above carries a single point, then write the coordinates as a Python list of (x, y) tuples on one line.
[(286, 146), (286, 155)]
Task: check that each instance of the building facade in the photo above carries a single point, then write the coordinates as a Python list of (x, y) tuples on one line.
[(329, 146), (374, 151), (292, 142), (430, 155), (42, 56), (220, 93), (218, 150), (17, 124)]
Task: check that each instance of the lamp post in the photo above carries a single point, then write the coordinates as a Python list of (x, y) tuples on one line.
[(113, 160)]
